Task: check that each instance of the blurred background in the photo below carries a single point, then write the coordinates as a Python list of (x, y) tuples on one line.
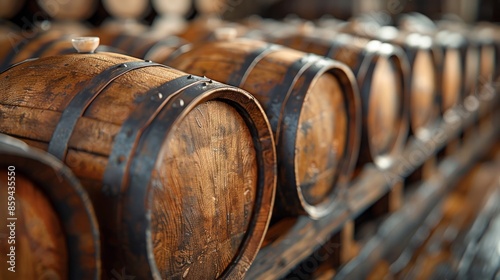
[(467, 10)]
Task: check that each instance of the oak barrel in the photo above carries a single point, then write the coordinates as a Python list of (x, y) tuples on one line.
[(313, 107), (51, 231), (181, 169), (381, 71), (424, 63), (139, 45)]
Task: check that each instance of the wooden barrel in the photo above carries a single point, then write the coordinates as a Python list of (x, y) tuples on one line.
[(143, 46), (10, 8), (181, 169), (51, 231), (313, 107), (381, 71), (480, 54), (452, 70), (42, 44), (74, 10), (470, 51), (424, 62)]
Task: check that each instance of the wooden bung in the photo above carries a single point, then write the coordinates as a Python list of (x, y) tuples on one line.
[(381, 71), (313, 107), (181, 170), (52, 230)]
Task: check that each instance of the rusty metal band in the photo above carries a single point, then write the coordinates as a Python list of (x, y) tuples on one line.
[(281, 92), (69, 200), (132, 129), (135, 203), (239, 76), (19, 63), (171, 41), (58, 145)]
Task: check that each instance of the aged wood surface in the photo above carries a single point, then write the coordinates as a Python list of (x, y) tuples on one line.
[(312, 107), (392, 235), (194, 192), (382, 79), (56, 234)]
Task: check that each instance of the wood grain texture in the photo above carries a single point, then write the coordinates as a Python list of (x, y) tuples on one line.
[(56, 234), (199, 180), (322, 123), (74, 10), (316, 140)]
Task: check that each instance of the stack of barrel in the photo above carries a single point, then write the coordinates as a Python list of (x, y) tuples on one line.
[(175, 174)]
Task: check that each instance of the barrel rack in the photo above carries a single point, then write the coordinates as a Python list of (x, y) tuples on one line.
[(278, 258)]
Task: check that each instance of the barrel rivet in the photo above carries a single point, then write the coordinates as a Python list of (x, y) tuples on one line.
[(190, 76), (147, 60)]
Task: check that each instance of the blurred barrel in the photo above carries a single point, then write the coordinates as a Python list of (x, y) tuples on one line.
[(15, 48), (381, 71), (137, 45), (456, 79), (10, 8), (180, 169), (74, 10), (313, 107), (53, 226), (424, 62), (471, 56)]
